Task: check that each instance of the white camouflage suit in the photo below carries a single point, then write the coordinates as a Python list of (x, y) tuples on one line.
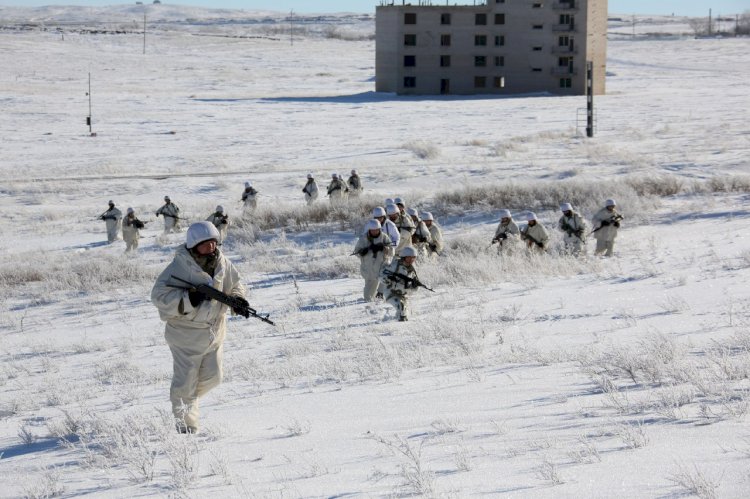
[(511, 234), (354, 184), (396, 291), (311, 191), (130, 233), (574, 229), (249, 199), (171, 214), (221, 222), (406, 228), (422, 237), (538, 233), (336, 190), (112, 219), (371, 263), (436, 246), (605, 236), (194, 335)]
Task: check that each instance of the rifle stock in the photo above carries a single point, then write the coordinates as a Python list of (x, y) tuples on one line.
[(407, 280)]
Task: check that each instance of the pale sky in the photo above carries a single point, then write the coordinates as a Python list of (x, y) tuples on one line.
[(677, 7)]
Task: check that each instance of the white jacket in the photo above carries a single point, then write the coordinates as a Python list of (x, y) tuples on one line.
[(371, 263)]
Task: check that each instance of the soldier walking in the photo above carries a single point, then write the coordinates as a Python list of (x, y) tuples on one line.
[(421, 238), (373, 249), (220, 219), (572, 224), (398, 289), (355, 184), (436, 246), (171, 213), (112, 218), (507, 232), (534, 234), (607, 223), (249, 198), (310, 189), (131, 227)]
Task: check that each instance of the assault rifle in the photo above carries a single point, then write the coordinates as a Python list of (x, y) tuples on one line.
[(571, 231), (613, 220), (525, 235), (373, 247), (240, 307), (408, 281), (498, 239)]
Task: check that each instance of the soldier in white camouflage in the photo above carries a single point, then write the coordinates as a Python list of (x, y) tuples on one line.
[(355, 184), (398, 289), (171, 214), (249, 198), (112, 219), (421, 238), (336, 190), (310, 190), (435, 248), (404, 224), (374, 251), (507, 232), (574, 229), (220, 219), (534, 234), (606, 223), (131, 230)]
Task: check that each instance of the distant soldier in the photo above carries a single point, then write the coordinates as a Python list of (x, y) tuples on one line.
[(131, 227), (436, 246), (398, 289), (404, 224), (607, 222), (421, 238), (220, 219), (507, 232), (335, 190), (249, 197), (373, 249), (572, 224), (355, 184), (535, 234), (112, 218), (171, 214), (310, 189)]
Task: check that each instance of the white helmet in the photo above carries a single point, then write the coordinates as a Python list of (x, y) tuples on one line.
[(566, 207), (399, 201), (388, 201), (407, 251), (427, 217), (412, 212), (378, 212), (200, 232), (504, 214), (248, 184), (391, 209), (610, 202), (354, 172), (309, 175), (531, 216), (372, 225), (220, 209), (334, 175), (130, 210)]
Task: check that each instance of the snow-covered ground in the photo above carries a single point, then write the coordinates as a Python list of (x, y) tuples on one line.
[(519, 377)]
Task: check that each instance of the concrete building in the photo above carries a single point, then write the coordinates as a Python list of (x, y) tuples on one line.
[(498, 47)]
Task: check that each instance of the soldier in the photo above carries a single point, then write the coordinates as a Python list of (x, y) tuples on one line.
[(507, 232), (390, 229), (535, 234), (355, 184), (195, 324), (421, 238), (607, 222), (112, 218), (171, 215), (398, 289), (310, 189), (572, 224), (374, 250), (131, 230), (404, 223), (335, 190), (249, 198), (221, 221), (436, 246)]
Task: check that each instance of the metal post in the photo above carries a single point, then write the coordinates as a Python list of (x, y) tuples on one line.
[(88, 118), (709, 22), (291, 27), (589, 99), (144, 30)]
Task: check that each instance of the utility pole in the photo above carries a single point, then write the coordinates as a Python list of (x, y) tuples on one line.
[(144, 30), (88, 118), (709, 22), (291, 27), (633, 26), (589, 98)]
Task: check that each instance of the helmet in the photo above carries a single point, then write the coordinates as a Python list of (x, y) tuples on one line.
[(504, 214), (334, 175), (427, 217), (398, 201), (610, 202), (220, 209), (309, 175), (388, 201), (566, 207), (391, 209), (372, 225), (407, 251), (248, 184), (354, 172), (531, 216), (166, 198), (412, 212), (378, 211), (112, 203), (130, 210), (200, 232)]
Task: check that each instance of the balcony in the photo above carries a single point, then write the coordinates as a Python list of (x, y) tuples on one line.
[(565, 6), (564, 50), (564, 28), (565, 71)]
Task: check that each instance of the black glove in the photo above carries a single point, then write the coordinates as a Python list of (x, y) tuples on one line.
[(157, 215), (196, 298), (541, 245), (579, 232), (101, 217), (363, 251), (503, 236), (616, 224), (138, 224), (242, 309), (377, 247), (605, 223), (433, 247)]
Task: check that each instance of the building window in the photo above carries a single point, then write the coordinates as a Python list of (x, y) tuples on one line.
[(499, 40), (536, 6), (536, 70), (566, 19), (410, 81), (538, 26), (563, 41), (566, 82), (536, 49), (445, 61), (445, 40), (445, 18), (563, 61), (480, 81), (499, 1), (499, 18), (445, 86), (480, 40), (410, 61), (498, 82), (410, 18), (410, 40), (480, 61), (499, 60), (480, 19)]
